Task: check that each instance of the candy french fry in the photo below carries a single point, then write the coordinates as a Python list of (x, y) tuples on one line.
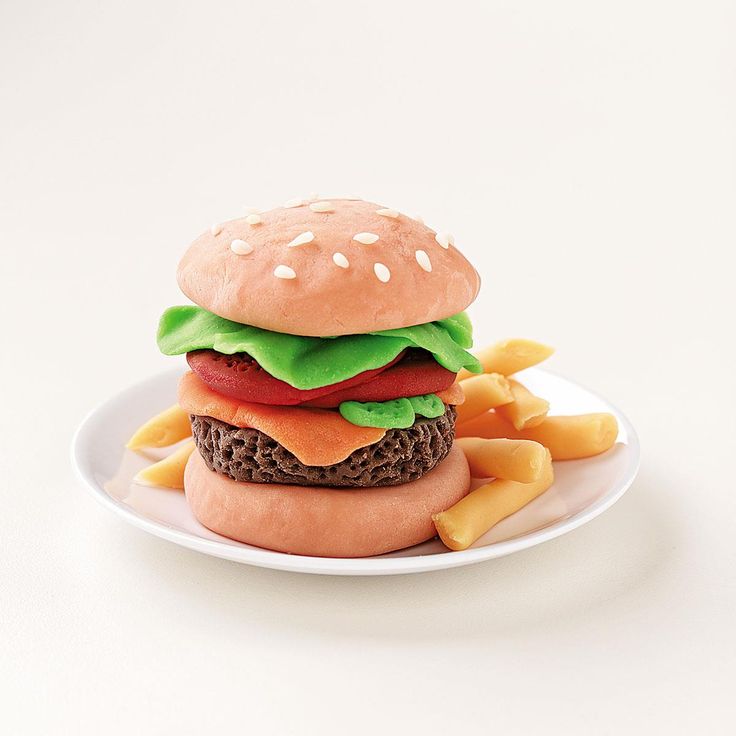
[(567, 437), (166, 428), (483, 393), (483, 508), (520, 460), (510, 356), (526, 410), (169, 472)]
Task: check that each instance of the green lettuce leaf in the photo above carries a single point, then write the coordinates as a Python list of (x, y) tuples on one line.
[(429, 405), (313, 362), (394, 414)]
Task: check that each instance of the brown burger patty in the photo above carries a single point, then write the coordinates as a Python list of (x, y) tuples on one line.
[(401, 456)]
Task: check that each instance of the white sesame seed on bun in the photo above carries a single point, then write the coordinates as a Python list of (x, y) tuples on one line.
[(394, 271)]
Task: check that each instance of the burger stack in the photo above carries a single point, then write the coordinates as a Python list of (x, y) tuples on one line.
[(323, 347)]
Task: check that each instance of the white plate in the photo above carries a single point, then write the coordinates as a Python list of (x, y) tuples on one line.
[(582, 488)]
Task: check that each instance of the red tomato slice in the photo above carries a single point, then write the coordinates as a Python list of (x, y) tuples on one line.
[(241, 377), (416, 374)]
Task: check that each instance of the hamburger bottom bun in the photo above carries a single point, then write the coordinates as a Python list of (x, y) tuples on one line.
[(325, 522)]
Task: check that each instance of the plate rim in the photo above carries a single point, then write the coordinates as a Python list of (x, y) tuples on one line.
[(346, 565)]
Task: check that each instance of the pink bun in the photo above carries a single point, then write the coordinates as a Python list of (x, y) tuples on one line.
[(323, 298), (325, 522)]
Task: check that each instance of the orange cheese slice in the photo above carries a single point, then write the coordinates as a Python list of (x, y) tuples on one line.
[(314, 436), (452, 395)]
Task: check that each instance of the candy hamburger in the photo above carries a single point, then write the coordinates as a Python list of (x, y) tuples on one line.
[(323, 349)]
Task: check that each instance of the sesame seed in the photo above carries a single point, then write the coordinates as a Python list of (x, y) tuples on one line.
[(388, 213), (254, 219), (321, 207), (294, 203), (241, 247), (340, 260), (382, 273), (423, 260), (419, 219), (216, 229), (302, 239), (445, 240), (366, 238), (249, 210), (284, 272)]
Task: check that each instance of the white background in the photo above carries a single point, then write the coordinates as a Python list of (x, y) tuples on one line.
[(583, 155)]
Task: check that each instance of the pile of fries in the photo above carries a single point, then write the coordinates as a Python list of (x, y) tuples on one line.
[(503, 429), (165, 429), (506, 435)]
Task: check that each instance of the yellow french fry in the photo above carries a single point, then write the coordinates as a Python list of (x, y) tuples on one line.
[(483, 393), (472, 516), (526, 410), (510, 356), (169, 472), (520, 460), (567, 437), (166, 428)]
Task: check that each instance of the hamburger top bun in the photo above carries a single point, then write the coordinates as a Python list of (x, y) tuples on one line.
[(330, 284)]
